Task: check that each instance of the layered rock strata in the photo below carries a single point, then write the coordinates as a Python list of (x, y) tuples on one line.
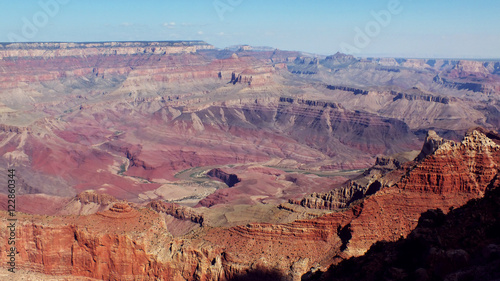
[(464, 244), (124, 242)]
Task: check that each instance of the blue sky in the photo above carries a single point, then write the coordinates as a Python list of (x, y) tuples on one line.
[(411, 28)]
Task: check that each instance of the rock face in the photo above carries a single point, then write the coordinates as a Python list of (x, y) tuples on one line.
[(464, 244), (93, 197), (469, 86), (119, 244), (347, 89), (229, 179), (431, 144), (125, 241), (430, 98), (177, 211), (335, 199), (86, 203), (463, 171), (467, 68)]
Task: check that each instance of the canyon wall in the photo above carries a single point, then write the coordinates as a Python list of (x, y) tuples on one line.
[(125, 241)]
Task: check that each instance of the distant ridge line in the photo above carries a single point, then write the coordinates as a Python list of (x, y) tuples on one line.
[(35, 45)]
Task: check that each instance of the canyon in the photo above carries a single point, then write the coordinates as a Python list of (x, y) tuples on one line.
[(128, 241), (180, 161)]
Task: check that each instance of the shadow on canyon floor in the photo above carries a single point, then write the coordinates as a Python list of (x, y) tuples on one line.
[(261, 274)]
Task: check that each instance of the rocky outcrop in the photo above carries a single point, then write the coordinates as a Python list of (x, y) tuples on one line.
[(347, 89), (90, 196), (337, 198), (119, 244), (367, 184), (13, 129), (468, 166), (431, 144), (240, 79), (86, 203), (386, 164), (469, 86), (177, 211), (340, 58), (469, 68), (311, 102), (429, 98), (460, 245), (256, 76), (229, 179)]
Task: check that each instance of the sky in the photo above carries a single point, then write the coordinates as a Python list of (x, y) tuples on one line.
[(386, 28)]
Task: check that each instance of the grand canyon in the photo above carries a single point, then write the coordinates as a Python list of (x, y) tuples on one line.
[(176, 160)]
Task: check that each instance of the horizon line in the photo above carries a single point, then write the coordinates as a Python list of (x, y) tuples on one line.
[(361, 56)]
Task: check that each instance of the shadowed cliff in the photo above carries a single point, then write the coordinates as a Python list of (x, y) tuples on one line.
[(462, 245)]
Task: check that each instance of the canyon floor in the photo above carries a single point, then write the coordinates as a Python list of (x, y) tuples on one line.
[(180, 161)]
